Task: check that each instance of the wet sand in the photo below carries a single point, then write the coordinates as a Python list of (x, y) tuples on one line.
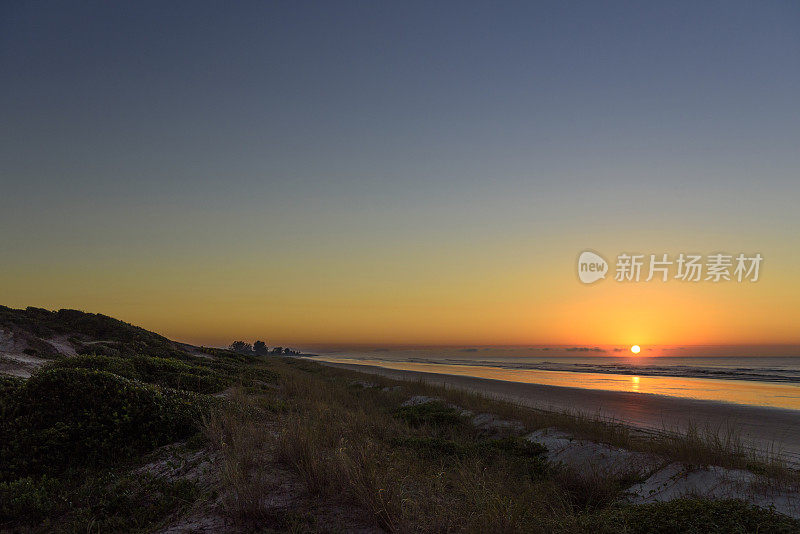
[(774, 430)]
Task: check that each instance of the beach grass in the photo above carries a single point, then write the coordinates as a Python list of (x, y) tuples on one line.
[(288, 444), (700, 445), (424, 468)]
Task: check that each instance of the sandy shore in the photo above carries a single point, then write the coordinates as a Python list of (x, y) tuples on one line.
[(767, 429)]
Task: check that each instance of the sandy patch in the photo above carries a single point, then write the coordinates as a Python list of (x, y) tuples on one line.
[(19, 365), (13, 346), (62, 345), (678, 480), (174, 463), (589, 456), (363, 384)]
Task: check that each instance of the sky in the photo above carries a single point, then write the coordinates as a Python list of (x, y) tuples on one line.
[(400, 172)]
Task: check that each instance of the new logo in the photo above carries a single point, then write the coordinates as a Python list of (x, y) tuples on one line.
[(591, 267)]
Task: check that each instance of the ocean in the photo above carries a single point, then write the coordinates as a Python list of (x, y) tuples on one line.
[(750, 375)]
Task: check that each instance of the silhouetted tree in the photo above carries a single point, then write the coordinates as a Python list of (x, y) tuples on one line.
[(260, 348), (241, 347), (277, 350)]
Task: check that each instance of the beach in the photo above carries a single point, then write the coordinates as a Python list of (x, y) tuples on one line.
[(236, 441), (767, 429)]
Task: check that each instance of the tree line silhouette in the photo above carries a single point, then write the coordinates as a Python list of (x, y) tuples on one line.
[(259, 348)]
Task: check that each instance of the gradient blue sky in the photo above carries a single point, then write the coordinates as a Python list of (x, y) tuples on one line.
[(370, 171)]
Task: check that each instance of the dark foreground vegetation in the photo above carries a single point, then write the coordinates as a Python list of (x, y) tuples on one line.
[(149, 436)]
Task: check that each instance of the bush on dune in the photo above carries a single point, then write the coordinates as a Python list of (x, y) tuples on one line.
[(27, 498), (691, 516), (9, 384), (65, 417), (8, 388), (179, 375), (118, 366), (100, 349), (160, 371), (104, 501), (431, 413)]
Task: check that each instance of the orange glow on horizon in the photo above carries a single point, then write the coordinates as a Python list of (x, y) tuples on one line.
[(414, 300)]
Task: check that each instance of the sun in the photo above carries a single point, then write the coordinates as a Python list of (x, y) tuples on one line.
[(635, 349)]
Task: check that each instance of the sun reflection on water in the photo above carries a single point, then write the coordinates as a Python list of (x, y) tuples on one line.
[(736, 391)]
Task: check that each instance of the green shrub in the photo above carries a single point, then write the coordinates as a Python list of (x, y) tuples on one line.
[(692, 516), (160, 371), (104, 501), (118, 366), (100, 348), (27, 498), (240, 374), (178, 375), (9, 385), (66, 417), (431, 413), (9, 388)]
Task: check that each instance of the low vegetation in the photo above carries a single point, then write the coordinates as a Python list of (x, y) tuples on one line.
[(152, 370), (99, 500), (88, 444), (425, 468), (61, 418), (691, 516)]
